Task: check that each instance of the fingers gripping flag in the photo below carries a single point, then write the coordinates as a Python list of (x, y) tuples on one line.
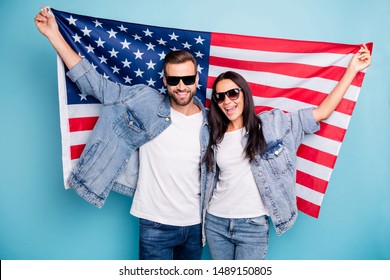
[(285, 74)]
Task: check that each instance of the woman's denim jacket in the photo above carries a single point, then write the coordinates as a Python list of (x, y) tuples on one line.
[(274, 171), (130, 117)]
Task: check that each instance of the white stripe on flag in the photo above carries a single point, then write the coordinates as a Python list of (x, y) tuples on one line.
[(84, 110), (80, 137), (314, 169), (65, 137), (321, 143), (316, 59), (309, 194), (73, 163)]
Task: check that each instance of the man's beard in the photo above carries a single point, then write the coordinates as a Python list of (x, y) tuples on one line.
[(179, 101)]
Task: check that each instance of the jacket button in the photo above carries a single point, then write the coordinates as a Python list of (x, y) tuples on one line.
[(131, 122), (167, 119)]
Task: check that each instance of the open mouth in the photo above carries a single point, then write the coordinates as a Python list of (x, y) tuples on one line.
[(230, 110), (182, 93)]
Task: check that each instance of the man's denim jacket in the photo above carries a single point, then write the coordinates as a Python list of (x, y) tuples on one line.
[(130, 117), (274, 171)]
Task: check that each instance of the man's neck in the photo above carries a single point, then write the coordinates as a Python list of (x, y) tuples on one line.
[(187, 110)]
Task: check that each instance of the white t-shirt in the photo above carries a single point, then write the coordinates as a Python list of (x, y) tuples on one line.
[(236, 194), (168, 189)]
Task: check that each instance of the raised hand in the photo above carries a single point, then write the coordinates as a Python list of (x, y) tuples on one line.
[(46, 23), (361, 60)]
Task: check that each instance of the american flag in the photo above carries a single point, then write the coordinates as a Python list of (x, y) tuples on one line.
[(285, 74)]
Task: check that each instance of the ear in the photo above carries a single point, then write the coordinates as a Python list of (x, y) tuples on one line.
[(165, 81)]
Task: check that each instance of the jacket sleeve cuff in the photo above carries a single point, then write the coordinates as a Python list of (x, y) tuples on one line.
[(309, 124), (79, 70)]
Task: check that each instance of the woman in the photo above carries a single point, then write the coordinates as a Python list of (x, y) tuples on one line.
[(252, 164)]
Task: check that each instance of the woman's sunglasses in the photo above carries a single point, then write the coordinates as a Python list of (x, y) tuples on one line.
[(175, 80), (233, 94)]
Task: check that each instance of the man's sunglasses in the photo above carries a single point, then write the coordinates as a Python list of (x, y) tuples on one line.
[(175, 80), (233, 94)]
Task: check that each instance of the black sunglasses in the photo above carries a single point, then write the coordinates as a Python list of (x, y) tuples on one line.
[(233, 94), (175, 80)]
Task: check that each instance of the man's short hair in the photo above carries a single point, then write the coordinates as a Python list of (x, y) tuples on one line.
[(176, 57)]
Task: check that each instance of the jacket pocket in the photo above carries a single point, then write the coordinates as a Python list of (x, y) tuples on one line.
[(88, 160), (129, 127), (127, 121), (87, 155), (278, 159)]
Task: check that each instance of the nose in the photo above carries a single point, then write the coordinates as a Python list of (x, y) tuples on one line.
[(227, 100), (181, 85)]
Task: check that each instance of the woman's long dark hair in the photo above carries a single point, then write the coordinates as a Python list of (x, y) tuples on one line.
[(219, 122)]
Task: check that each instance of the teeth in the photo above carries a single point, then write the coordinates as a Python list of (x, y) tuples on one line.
[(231, 108)]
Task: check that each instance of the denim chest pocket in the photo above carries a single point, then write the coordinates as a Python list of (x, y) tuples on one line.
[(127, 125), (278, 159)]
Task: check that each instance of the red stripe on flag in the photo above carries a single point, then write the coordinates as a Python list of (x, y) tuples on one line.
[(76, 150), (311, 182), (82, 124), (259, 109), (331, 132), (278, 45), (316, 156), (207, 104), (210, 81), (358, 80), (308, 208)]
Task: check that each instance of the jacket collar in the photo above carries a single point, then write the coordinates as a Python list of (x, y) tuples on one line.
[(164, 110)]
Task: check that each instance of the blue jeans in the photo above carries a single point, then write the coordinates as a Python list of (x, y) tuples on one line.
[(237, 239), (165, 242)]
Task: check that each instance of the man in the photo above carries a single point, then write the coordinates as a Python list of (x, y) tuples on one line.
[(145, 141)]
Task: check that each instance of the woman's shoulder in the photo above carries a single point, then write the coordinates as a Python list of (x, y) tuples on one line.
[(273, 114), (274, 124)]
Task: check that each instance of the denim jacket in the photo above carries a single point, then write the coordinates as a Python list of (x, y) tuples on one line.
[(274, 171), (130, 117)]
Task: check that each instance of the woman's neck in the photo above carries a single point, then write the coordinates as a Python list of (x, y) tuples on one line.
[(235, 125)]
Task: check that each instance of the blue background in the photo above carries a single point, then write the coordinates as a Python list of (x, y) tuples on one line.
[(39, 219)]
